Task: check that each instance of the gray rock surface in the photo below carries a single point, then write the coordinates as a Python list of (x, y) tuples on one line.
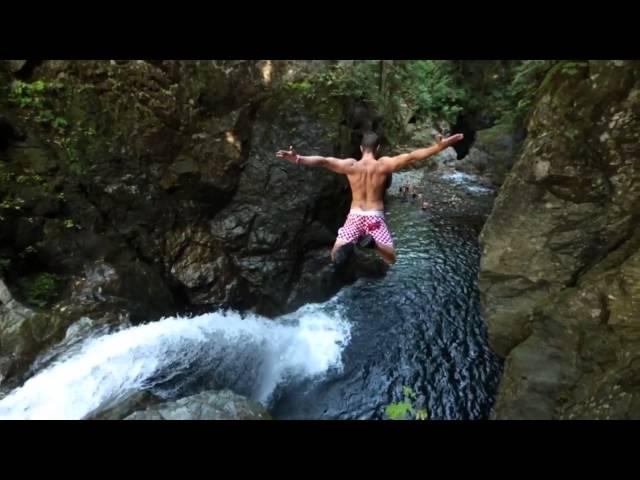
[(560, 268), (218, 405)]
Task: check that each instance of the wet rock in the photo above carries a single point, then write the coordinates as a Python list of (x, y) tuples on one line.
[(127, 406), (319, 277), (8, 132), (162, 191), (103, 295), (23, 333), (492, 154), (104, 289), (15, 65), (559, 273), (221, 405)]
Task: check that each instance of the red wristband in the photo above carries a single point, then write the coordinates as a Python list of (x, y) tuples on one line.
[(297, 159)]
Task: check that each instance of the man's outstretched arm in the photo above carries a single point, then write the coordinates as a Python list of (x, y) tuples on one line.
[(393, 164), (337, 165)]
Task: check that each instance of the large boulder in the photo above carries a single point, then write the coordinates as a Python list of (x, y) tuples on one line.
[(213, 405), (492, 154), (135, 189), (131, 403), (100, 297), (173, 163), (24, 333), (559, 271)]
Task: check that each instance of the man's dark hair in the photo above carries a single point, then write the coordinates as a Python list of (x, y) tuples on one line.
[(370, 141)]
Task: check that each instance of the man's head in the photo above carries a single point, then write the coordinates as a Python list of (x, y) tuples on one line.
[(370, 143)]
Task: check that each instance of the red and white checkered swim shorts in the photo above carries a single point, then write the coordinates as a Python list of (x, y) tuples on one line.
[(362, 222)]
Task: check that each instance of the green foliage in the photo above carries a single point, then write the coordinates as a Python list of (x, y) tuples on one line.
[(69, 223), (571, 67), (405, 409), (40, 289), (422, 414), (502, 91), (351, 79), (304, 87), (45, 116), (37, 87), (407, 392), (30, 178), (398, 410), (20, 94), (434, 90), (360, 79), (378, 83), (430, 87), (522, 91), (10, 203), (68, 144), (27, 94), (6, 177), (35, 97), (59, 123)]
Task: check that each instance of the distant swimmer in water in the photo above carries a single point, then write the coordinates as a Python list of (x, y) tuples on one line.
[(367, 178)]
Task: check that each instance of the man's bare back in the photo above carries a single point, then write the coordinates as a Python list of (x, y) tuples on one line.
[(367, 178)]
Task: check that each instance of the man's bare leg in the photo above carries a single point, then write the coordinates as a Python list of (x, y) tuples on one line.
[(388, 253)]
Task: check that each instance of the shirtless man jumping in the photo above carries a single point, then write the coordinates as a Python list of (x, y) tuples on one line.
[(367, 179)]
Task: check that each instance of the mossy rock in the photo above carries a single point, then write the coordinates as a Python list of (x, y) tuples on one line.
[(40, 289)]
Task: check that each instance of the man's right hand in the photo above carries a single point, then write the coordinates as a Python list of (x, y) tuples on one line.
[(447, 142)]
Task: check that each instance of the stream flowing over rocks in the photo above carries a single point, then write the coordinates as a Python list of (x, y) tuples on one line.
[(157, 261)]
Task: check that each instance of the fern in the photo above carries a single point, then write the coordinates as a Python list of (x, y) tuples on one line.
[(406, 410), (398, 411)]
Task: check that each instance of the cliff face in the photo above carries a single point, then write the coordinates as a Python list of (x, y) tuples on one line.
[(560, 270), (135, 189)]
